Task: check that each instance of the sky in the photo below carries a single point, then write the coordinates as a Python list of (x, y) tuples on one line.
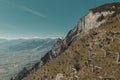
[(42, 18)]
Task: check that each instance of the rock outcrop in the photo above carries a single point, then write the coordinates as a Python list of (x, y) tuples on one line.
[(95, 18)]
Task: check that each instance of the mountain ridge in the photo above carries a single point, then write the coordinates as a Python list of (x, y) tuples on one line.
[(85, 24), (95, 18)]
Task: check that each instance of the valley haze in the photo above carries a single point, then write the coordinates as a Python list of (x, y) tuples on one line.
[(15, 54)]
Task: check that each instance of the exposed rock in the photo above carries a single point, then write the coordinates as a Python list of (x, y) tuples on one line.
[(105, 78), (94, 68), (26, 71), (58, 48), (59, 76), (107, 52)]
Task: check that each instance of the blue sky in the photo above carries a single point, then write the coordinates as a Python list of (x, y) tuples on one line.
[(42, 18)]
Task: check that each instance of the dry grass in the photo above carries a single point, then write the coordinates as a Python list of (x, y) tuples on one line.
[(77, 54)]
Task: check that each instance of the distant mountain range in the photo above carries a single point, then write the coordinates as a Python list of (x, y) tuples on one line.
[(25, 44), (18, 53)]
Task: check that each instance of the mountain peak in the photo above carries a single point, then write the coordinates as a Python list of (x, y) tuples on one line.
[(115, 6)]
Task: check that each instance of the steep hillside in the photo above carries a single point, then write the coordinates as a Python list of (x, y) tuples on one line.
[(88, 52)]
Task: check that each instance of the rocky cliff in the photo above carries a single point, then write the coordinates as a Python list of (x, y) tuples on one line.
[(96, 17)]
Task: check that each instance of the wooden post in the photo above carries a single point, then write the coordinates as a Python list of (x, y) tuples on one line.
[(118, 58), (118, 18), (92, 66), (88, 62), (105, 53)]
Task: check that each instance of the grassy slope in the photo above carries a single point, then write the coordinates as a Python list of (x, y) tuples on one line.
[(77, 53)]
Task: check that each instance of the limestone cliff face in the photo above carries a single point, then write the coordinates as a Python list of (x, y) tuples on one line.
[(91, 20), (94, 18)]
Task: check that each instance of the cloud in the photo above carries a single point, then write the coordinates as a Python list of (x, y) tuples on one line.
[(32, 11), (34, 37), (27, 9)]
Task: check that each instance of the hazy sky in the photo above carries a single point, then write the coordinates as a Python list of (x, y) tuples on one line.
[(42, 18)]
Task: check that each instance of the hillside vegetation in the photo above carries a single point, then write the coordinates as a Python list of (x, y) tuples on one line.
[(92, 56)]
